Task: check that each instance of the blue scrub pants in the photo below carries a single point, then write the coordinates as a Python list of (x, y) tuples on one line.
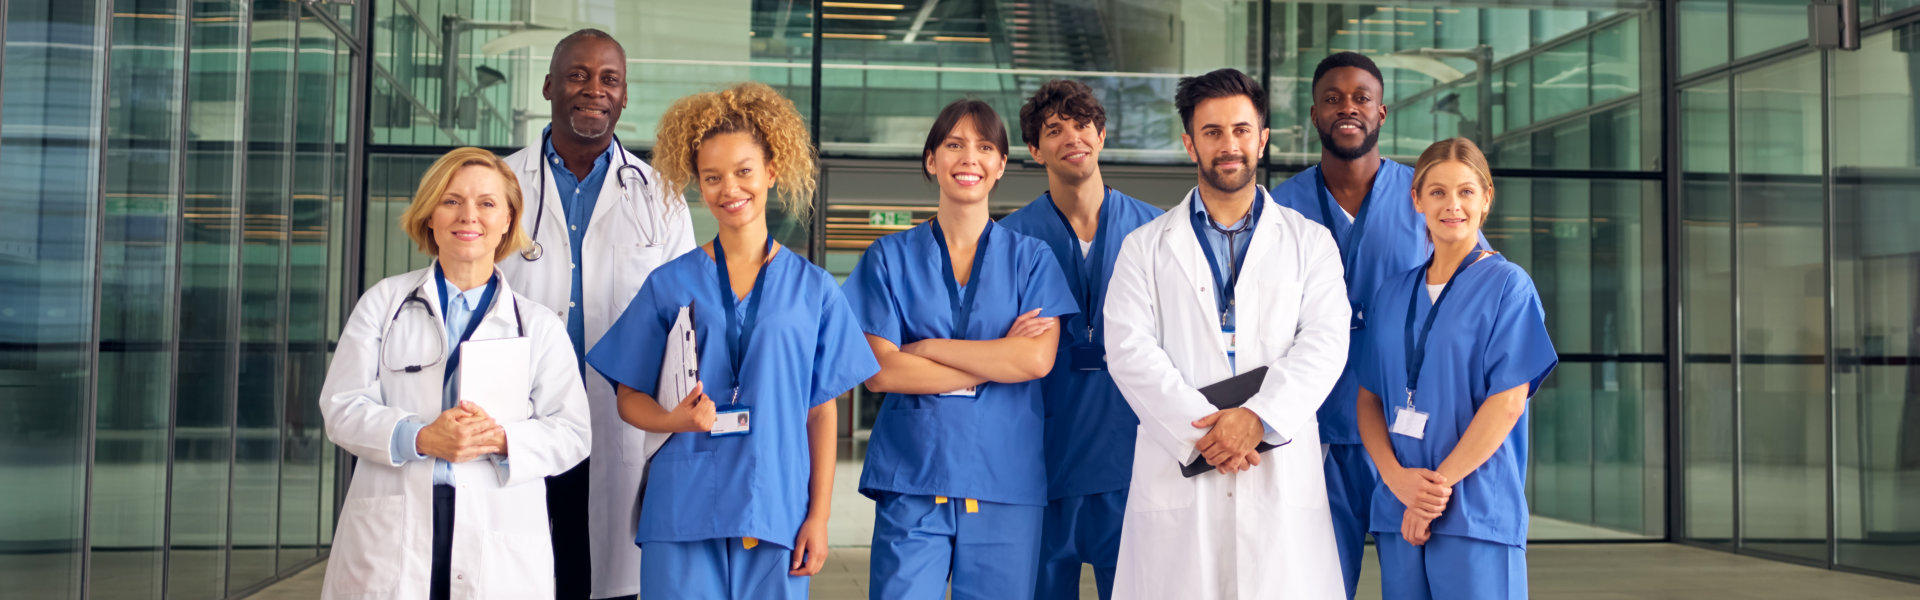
[(719, 569), (1080, 529), (1450, 567), (919, 545), (1351, 480)]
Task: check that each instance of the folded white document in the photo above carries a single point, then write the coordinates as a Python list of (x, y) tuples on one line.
[(495, 374)]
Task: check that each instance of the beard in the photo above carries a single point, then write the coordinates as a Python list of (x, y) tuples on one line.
[(590, 134), (1228, 183), (1353, 153)]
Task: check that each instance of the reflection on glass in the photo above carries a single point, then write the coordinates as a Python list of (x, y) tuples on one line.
[(1703, 34), (1592, 248), (1761, 25), (209, 270), (1780, 243), (48, 191), (1706, 228), (1877, 306), (263, 299), (313, 183), (136, 312)]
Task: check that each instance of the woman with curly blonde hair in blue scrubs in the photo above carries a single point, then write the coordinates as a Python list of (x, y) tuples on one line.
[(1456, 348), (737, 499)]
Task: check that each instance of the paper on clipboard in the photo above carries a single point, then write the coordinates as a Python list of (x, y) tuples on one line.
[(679, 370), (495, 374)]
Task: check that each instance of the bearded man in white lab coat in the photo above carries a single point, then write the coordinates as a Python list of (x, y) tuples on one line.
[(1223, 284)]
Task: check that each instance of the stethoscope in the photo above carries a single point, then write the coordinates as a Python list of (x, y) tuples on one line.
[(626, 174), (439, 340)]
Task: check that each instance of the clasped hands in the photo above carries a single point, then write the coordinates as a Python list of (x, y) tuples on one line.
[(461, 434), (1425, 494), (1232, 442)]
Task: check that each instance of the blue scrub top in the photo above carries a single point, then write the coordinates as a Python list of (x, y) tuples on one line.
[(805, 349), (987, 447), (1490, 337), (1386, 239), (1089, 427)]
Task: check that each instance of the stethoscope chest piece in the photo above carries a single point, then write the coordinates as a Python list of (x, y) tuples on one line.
[(533, 252)]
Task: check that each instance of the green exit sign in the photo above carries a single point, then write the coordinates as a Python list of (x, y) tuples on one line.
[(903, 218)]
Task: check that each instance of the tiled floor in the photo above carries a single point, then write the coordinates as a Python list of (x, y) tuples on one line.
[(1569, 572)]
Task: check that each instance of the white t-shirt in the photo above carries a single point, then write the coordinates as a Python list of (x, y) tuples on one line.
[(1086, 246), (1433, 291)]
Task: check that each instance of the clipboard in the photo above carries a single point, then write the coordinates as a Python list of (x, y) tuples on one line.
[(495, 374), (1231, 392), (679, 371)]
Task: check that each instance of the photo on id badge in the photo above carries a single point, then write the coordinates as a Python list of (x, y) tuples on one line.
[(732, 422)]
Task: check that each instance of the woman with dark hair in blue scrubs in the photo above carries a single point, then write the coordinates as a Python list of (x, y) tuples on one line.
[(962, 315), (1456, 348)]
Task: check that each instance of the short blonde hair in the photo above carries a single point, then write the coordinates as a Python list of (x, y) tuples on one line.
[(434, 185), (1458, 149), (751, 108)]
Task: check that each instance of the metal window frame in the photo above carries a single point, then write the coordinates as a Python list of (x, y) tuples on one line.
[(96, 214)]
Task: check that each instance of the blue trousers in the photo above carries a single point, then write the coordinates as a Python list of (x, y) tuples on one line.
[(919, 545), (1450, 567), (1351, 480), (719, 569), (1080, 529)]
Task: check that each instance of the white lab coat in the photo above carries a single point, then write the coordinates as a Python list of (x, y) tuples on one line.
[(382, 547), (1264, 533), (618, 256)]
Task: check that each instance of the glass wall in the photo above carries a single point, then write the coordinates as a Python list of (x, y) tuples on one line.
[(172, 171), (1798, 320), (1876, 304)]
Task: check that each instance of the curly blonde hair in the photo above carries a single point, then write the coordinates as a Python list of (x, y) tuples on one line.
[(751, 108)]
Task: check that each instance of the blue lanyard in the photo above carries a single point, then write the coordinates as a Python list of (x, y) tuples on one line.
[(1417, 346), (738, 332), (473, 323), (962, 306), (1223, 284), (1355, 232), (1087, 271)]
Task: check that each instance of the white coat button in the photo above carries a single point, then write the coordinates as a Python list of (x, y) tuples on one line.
[(462, 577)]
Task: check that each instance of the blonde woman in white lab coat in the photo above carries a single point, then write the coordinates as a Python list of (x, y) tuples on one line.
[(392, 399)]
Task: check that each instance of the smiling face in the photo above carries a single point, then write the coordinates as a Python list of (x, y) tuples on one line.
[(1347, 112), (1069, 150), (472, 216), (966, 164), (587, 86), (734, 178), (1455, 201), (1228, 138)]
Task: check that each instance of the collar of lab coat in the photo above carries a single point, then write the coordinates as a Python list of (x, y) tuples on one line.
[(500, 315), (1190, 255), (612, 195)]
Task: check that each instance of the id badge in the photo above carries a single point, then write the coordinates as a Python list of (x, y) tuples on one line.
[(1410, 423), (736, 421), (1088, 357), (967, 392)]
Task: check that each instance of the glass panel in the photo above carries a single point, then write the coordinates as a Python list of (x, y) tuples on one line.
[(263, 300), (313, 180), (1702, 34), (49, 186), (1707, 293), (1546, 62), (1593, 250), (209, 270), (1761, 25), (1782, 309), (885, 80), (1876, 332), (136, 312)]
